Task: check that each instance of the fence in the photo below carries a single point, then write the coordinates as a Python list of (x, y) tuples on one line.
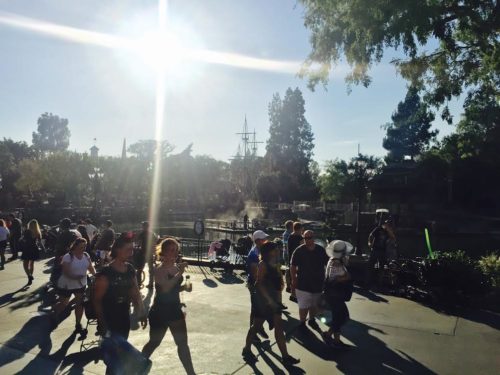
[(194, 248)]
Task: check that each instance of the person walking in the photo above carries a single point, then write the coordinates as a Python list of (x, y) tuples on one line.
[(378, 241), (307, 272), (294, 240), (266, 306), (115, 289), (30, 245), (146, 240), (105, 241), (337, 290), (16, 232), (4, 236), (252, 264), (166, 311), (73, 281)]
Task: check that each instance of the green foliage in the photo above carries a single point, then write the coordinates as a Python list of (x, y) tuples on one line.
[(466, 54), (344, 181), (52, 134), (455, 272), (290, 147), (409, 133), (490, 267)]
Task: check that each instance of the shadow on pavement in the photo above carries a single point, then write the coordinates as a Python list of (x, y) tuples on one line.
[(34, 333), (369, 356), (39, 295), (488, 318), (8, 298), (369, 295), (49, 367), (75, 363)]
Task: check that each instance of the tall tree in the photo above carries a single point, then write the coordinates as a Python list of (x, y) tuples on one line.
[(409, 132), (290, 145), (52, 134), (146, 149), (465, 55)]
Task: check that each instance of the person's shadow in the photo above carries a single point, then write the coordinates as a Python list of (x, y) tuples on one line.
[(35, 332), (370, 355)]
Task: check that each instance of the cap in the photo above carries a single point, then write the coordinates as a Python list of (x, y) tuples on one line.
[(259, 235)]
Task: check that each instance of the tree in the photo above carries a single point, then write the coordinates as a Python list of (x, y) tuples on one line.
[(409, 133), (448, 45), (344, 181), (146, 149), (52, 134), (290, 146)]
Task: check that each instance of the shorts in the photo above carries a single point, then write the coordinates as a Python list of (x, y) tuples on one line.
[(160, 316), (306, 300), (68, 292)]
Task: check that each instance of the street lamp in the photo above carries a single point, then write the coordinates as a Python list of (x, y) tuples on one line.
[(362, 171), (96, 175)]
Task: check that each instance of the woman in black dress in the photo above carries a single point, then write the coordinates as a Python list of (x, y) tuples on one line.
[(166, 311), (266, 302), (30, 246)]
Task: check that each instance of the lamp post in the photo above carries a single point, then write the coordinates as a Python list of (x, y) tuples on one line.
[(95, 176), (362, 171)]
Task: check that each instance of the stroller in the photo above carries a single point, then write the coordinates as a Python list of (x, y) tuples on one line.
[(91, 316), (219, 255)]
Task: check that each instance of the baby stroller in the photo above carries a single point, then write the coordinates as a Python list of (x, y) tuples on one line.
[(243, 246), (91, 316), (219, 256)]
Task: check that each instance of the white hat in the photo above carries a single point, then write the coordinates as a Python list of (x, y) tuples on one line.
[(338, 249), (259, 235)]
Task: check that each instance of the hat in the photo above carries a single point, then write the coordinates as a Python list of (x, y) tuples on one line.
[(338, 249), (259, 235)]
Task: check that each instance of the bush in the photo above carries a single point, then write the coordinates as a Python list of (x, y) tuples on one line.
[(454, 272), (490, 267)]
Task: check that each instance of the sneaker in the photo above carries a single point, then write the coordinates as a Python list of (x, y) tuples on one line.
[(30, 280), (293, 299), (248, 356), (78, 328), (289, 360), (313, 324)]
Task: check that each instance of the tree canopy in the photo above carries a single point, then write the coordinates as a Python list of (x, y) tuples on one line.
[(52, 134), (290, 146), (409, 132), (448, 45), (146, 149)]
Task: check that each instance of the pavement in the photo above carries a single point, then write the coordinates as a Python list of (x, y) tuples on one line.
[(389, 335)]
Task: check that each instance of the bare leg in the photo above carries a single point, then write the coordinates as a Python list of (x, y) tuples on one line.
[(61, 305), (31, 267), (280, 335), (303, 314), (254, 328), (26, 268), (78, 307), (179, 331), (155, 337)]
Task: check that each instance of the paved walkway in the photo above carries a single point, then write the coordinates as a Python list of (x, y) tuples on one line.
[(389, 335)]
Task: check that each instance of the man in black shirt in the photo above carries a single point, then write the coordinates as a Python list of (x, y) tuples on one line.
[(377, 241), (308, 273), (294, 240), (16, 232)]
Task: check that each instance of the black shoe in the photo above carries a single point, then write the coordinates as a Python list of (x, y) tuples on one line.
[(289, 360), (282, 307), (78, 328), (30, 280), (293, 299), (313, 324), (302, 327)]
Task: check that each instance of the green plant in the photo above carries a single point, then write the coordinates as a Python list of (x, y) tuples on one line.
[(490, 267)]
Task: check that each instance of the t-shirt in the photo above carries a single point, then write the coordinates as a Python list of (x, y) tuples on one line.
[(106, 240), (286, 235), (4, 234), (252, 258), (311, 268), (294, 241), (77, 267)]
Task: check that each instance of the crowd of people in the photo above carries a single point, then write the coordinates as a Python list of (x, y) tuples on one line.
[(109, 269)]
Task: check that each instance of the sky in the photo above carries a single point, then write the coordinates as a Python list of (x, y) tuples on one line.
[(109, 94)]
